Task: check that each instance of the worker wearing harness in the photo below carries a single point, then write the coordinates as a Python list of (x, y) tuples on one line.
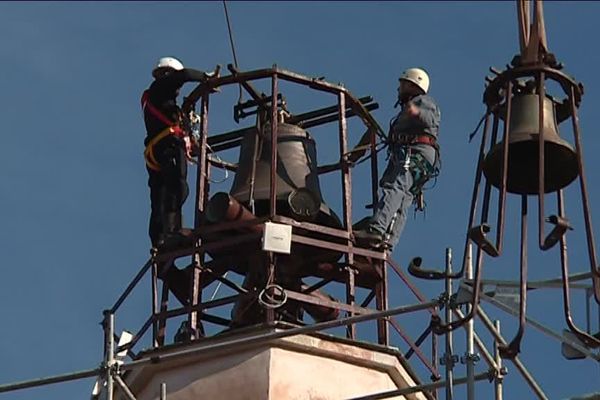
[(166, 147), (413, 159)]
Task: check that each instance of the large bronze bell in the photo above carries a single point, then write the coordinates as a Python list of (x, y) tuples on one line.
[(298, 191), (560, 159)]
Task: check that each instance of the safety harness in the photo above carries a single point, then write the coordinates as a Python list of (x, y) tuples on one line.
[(421, 170), (417, 139), (172, 128)]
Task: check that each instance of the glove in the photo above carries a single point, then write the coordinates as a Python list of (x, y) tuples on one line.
[(188, 147)]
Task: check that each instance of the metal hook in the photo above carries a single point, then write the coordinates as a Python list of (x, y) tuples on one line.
[(414, 268), (561, 226), (478, 235)]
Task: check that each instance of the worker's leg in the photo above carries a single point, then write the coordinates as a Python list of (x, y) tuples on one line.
[(155, 228), (171, 158), (398, 225), (395, 184)]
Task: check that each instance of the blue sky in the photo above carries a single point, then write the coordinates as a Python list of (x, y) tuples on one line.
[(74, 194)]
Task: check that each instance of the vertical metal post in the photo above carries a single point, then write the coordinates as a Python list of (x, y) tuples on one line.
[(374, 169), (162, 321), (255, 153), (163, 391), (208, 172), (470, 354), (382, 295), (448, 356), (498, 359), (504, 182), (271, 262), (202, 158), (347, 207), (383, 331), (516, 360), (109, 353), (346, 179), (201, 198), (274, 121), (434, 357), (588, 311), (272, 259), (155, 305), (541, 89), (381, 299)]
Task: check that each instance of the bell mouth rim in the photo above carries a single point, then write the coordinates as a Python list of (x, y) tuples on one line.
[(560, 171), (311, 211)]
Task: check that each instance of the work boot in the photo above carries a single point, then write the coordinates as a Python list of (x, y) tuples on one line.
[(175, 236), (369, 236), (177, 240)]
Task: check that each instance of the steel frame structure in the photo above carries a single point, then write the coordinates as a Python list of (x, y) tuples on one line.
[(110, 369)]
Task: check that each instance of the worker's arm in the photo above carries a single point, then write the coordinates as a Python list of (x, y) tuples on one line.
[(361, 147), (166, 88), (175, 79), (424, 109)]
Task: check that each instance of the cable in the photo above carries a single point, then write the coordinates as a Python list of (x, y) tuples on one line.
[(379, 146), (218, 287), (235, 62), (219, 159), (194, 121), (272, 301), (230, 34)]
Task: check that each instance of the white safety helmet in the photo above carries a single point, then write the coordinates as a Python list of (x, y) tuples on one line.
[(418, 77), (167, 62)]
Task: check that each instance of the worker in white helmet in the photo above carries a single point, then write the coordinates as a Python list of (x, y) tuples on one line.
[(165, 154), (413, 159)]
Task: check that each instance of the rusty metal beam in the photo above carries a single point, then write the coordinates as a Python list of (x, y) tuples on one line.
[(310, 115), (304, 298), (314, 83), (338, 247), (264, 337), (312, 227), (414, 347)]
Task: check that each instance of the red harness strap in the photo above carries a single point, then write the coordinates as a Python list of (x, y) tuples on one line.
[(175, 128), (417, 139)]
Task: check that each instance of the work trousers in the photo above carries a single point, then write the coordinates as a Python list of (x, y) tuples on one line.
[(396, 184), (168, 188)]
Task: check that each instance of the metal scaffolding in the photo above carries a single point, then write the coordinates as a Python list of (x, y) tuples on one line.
[(214, 249)]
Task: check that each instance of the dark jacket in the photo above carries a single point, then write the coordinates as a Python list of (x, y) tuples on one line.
[(162, 94)]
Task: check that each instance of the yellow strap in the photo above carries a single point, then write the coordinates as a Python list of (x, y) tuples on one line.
[(149, 151)]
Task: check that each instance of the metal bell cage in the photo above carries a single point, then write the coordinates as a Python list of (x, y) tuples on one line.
[(529, 159), (228, 228)]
